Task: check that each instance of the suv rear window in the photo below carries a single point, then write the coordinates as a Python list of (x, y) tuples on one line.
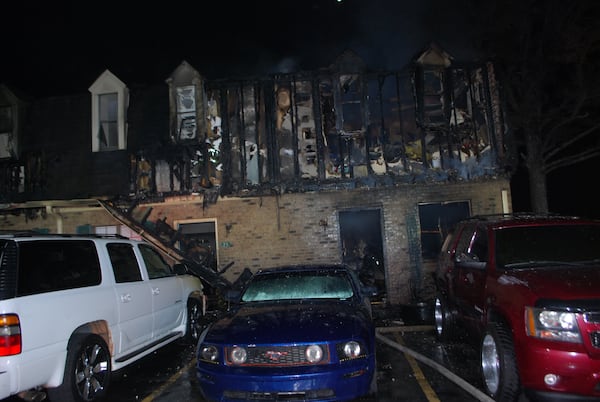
[(46, 266)]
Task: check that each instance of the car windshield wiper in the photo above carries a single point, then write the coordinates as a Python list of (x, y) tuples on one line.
[(544, 263), (589, 262)]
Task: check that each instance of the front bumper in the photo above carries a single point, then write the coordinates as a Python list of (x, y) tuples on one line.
[(323, 383), (578, 375)]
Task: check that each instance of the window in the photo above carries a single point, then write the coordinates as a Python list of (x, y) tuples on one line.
[(6, 131), (436, 221), (199, 241), (108, 131), (124, 263), (156, 266), (186, 112), (302, 285), (46, 266), (479, 246), (109, 109)]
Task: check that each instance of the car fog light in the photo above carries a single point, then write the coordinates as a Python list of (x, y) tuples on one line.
[(314, 353), (551, 379), (352, 349)]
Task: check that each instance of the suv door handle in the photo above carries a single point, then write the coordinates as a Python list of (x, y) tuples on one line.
[(126, 298), (155, 291)]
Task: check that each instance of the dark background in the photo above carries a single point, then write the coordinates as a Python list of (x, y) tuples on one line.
[(61, 47)]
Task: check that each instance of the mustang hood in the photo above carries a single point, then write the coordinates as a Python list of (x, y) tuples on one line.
[(291, 322)]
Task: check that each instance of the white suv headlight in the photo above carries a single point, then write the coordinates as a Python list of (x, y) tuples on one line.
[(552, 325)]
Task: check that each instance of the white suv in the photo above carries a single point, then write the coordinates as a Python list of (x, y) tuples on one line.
[(74, 309)]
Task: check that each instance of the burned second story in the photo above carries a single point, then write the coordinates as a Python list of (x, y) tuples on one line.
[(343, 126)]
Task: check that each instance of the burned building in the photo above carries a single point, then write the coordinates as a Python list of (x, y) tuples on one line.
[(246, 173)]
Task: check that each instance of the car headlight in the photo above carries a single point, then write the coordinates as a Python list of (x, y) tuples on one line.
[(238, 355), (352, 349), (209, 353), (314, 353), (552, 325)]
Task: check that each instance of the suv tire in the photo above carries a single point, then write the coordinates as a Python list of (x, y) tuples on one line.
[(443, 320), (87, 371), (499, 370)]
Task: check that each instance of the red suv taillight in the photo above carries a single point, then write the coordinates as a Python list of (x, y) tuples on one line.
[(10, 335)]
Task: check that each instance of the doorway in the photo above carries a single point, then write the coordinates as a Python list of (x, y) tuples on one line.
[(362, 245), (199, 241)]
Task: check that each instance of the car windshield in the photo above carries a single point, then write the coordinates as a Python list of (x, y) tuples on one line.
[(531, 247), (299, 285)]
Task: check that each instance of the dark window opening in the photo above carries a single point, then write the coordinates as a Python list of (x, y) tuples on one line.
[(437, 220)]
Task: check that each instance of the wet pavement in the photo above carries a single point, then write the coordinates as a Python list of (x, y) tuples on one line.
[(411, 366), (422, 370)]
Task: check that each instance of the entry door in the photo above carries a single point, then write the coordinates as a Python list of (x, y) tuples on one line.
[(362, 242), (199, 242)]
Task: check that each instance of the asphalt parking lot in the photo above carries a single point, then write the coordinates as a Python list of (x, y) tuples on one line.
[(411, 366)]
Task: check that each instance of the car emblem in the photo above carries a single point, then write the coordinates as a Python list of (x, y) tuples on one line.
[(274, 356)]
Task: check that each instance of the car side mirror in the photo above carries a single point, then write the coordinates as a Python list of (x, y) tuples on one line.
[(469, 260), (369, 291), (180, 268), (233, 295)]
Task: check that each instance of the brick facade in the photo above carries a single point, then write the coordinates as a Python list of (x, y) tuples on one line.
[(258, 232)]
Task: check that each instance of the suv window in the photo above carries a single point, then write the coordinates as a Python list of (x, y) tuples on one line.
[(156, 266), (124, 263), (472, 244), (479, 245), (46, 266)]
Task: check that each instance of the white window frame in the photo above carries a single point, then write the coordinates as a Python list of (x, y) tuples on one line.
[(108, 83)]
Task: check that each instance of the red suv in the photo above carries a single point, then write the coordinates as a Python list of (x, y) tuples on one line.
[(527, 289)]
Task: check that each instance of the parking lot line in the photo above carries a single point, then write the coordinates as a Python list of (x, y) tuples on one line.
[(169, 382), (478, 394), (421, 379)]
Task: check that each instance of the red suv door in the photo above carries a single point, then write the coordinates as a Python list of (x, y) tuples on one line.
[(471, 265)]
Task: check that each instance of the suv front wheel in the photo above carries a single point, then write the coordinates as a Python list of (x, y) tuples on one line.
[(87, 371), (498, 363)]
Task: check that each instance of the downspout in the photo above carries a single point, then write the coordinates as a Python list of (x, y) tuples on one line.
[(59, 218)]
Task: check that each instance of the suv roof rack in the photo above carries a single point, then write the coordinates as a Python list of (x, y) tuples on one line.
[(520, 216), (33, 233)]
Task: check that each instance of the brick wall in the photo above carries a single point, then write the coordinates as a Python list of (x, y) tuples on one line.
[(258, 232)]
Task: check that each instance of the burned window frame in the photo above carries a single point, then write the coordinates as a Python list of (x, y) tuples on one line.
[(296, 130)]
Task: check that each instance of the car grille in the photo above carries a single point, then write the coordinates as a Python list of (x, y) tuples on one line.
[(592, 320), (292, 355), (595, 338)]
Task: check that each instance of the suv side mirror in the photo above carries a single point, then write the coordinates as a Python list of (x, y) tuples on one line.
[(180, 268), (469, 260)]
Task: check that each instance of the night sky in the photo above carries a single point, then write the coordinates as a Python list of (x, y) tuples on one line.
[(61, 47)]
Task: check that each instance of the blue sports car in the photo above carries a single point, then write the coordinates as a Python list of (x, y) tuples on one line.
[(293, 333)]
